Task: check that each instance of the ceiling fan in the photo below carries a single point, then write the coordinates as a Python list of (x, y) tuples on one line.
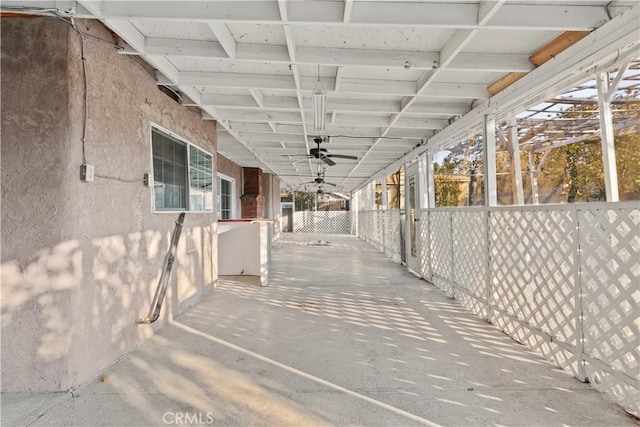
[(320, 181), (322, 154)]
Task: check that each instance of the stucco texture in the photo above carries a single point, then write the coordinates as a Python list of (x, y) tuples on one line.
[(80, 261)]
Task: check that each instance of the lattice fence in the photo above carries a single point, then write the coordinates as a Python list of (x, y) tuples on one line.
[(470, 262), (562, 279), (423, 236), (533, 272), (391, 232), (322, 222), (441, 242), (610, 276)]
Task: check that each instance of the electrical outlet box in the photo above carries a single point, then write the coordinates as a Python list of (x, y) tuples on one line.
[(86, 173)]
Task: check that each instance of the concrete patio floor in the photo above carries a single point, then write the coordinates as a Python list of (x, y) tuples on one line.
[(342, 336)]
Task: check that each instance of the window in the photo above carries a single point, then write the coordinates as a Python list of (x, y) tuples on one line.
[(176, 163), (226, 197)]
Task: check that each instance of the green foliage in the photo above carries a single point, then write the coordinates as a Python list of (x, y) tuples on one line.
[(575, 173), (447, 191)]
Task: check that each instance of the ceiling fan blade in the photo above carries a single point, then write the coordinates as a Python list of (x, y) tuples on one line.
[(327, 160), (331, 184), (341, 156)]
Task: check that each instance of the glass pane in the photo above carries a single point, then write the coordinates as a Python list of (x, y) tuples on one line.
[(201, 180), (169, 159)]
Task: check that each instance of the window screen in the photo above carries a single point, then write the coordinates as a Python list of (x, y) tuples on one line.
[(174, 164)]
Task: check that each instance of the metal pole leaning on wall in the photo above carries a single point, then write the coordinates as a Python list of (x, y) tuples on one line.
[(161, 290)]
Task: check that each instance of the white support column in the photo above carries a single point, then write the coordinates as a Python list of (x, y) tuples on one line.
[(385, 196), (431, 182), (293, 211), (353, 206), (607, 138), (423, 178), (489, 146), (533, 179), (516, 167)]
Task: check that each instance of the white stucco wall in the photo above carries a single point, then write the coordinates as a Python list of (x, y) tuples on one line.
[(80, 261)]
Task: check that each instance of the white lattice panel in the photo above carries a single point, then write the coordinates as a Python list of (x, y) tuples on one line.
[(441, 249), (548, 266), (391, 227), (425, 248), (377, 230), (364, 225), (610, 273), (533, 268), (470, 258), (534, 276), (322, 222)]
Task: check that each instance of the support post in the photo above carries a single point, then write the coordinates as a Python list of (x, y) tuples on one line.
[(354, 208), (489, 146), (533, 179), (431, 185), (516, 167), (577, 295), (423, 184), (384, 195), (293, 211), (607, 139)]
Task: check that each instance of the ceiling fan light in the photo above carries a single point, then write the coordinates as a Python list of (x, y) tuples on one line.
[(319, 105)]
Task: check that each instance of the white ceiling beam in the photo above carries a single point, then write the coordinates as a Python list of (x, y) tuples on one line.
[(437, 109), (223, 101), (135, 39), (180, 47), (348, 85), (246, 128), (275, 138), (611, 44), (339, 72), (257, 96), (408, 133), (453, 15), (486, 9), (454, 90), (379, 87), (259, 116), (279, 54), (348, 7), (225, 38), (274, 103), (283, 6), (337, 57), (236, 80), (420, 123), (490, 62), (366, 57), (357, 121)]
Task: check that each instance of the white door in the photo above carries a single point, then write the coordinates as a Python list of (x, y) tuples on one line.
[(412, 207)]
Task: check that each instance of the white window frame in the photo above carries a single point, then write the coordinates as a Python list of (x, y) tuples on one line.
[(155, 127), (219, 196)]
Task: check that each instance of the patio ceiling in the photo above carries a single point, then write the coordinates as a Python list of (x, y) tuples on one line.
[(396, 73)]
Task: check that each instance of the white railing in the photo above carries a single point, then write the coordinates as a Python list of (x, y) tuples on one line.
[(322, 222), (562, 279)]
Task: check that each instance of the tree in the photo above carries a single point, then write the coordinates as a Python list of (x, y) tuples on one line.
[(447, 189), (575, 173)]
